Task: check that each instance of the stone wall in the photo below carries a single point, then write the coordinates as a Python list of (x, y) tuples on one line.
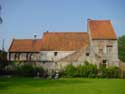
[(106, 50), (54, 55), (20, 56)]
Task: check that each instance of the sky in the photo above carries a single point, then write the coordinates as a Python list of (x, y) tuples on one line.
[(24, 18)]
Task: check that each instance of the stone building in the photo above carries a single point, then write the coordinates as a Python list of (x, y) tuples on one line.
[(25, 50), (57, 49)]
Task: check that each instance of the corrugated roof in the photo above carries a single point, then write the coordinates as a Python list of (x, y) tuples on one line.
[(25, 45), (64, 41), (101, 29)]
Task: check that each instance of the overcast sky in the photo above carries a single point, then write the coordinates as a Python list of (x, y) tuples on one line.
[(24, 18)]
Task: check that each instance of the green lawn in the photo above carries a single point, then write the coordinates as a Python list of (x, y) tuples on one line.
[(61, 86)]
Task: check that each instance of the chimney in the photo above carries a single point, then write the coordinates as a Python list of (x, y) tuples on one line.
[(35, 36), (89, 19), (34, 40)]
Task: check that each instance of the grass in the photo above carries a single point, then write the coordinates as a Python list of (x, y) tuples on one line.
[(62, 86)]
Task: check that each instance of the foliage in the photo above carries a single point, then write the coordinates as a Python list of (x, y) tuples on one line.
[(110, 72), (91, 71), (70, 71), (113, 72), (39, 71), (25, 70), (0, 15), (9, 68), (3, 59), (87, 70), (121, 48)]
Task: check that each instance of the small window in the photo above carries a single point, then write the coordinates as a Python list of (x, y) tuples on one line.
[(16, 56), (87, 54), (55, 53), (101, 51), (104, 63)]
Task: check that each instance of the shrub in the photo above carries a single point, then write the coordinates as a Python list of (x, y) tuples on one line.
[(79, 71), (39, 71), (70, 71), (103, 72), (87, 70), (110, 72), (123, 74), (25, 70), (113, 72), (9, 69), (92, 70)]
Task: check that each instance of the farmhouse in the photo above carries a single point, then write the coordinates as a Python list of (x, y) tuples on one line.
[(57, 49)]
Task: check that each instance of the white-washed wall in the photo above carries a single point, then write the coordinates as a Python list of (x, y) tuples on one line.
[(50, 55), (23, 56), (12, 56)]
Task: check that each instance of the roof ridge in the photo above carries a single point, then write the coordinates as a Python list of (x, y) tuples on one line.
[(100, 20), (27, 39), (65, 32)]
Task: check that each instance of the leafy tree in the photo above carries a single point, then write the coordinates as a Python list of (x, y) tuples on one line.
[(121, 48)]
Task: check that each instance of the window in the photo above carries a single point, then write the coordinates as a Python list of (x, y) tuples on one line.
[(55, 53), (109, 50), (87, 54), (29, 56), (15, 57), (104, 63)]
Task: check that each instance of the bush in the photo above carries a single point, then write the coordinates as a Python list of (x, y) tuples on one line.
[(39, 71), (22, 69), (123, 74), (29, 70), (113, 72), (25, 70), (110, 72), (9, 69), (70, 71), (92, 70), (87, 70)]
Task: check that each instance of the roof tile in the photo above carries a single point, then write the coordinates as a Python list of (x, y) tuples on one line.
[(101, 29), (64, 41), (25, 45)]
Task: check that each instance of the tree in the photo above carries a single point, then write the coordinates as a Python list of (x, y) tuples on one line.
[(121, 48), (0, 16)]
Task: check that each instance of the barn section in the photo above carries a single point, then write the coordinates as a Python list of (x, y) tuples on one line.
[(59, 45), (103, 42), (25, 50), (53, 48)]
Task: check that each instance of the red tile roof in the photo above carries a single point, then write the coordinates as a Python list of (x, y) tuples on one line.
[(25, 45), (64, 41), (101, 29)]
